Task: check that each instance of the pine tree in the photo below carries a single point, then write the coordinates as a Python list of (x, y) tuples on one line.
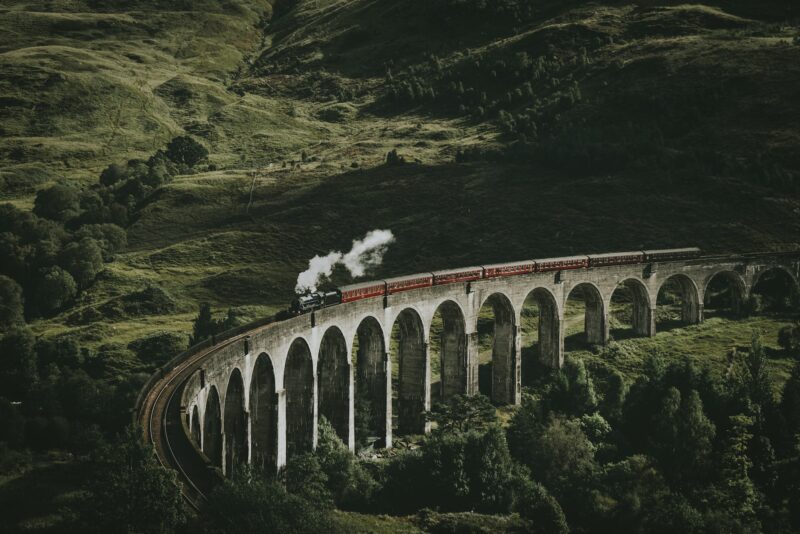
[(738, 493)]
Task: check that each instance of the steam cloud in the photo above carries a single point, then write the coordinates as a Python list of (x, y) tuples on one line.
[(365, 253)]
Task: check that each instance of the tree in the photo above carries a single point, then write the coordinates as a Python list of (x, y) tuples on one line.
[(204, 325), (11, 303), (186, 150), (789, 338), (110, 237), (572, 392), (303, 476), (83, 260), (113, 174), (248, 503), (394, 159), (349, 484), (790, 408), (463, 412), (130, 491), (17, 363), (54, 290), (739, 499), (58, 203), (533, 502)]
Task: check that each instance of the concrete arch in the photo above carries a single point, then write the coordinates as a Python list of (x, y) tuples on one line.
[(506, 379), (595, 323), (212, 428), (550, 339), (691, 309), (372, 385), (795, 282), (452, 350), (413, 383), (195, 427), (642, 317), (333, 381), (263, 415), (235, 424), (298, 380), (771, 301), (732, 299)]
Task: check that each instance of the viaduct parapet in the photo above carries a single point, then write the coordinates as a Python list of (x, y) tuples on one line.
[(256, 398)]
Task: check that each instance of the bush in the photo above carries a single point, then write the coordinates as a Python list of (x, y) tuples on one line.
[(394, 159), (303, 476), (533, 502), (130, 491), (349, 483), (18, 367), (185, 150), (248, 503), (159, 348), (83, 260), (58, 203), (789, 338), (11, 303)]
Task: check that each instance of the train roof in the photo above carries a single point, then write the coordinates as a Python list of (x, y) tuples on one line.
[(614, 254), (362, 285), (456, 271), (509, 264), (562, 258), (671, 250), (408, 277)]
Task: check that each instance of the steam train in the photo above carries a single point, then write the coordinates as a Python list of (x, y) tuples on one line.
[(379, 288)]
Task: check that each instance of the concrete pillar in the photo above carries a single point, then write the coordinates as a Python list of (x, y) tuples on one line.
[(651, 322), (505, 360), (387, 363), (472, 363), (427, 395), (281, 452), (596, 322), (643, 316), (453, 355), (351, 409), (516, 397)]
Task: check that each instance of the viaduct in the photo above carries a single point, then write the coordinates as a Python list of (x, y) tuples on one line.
[(255, 396)]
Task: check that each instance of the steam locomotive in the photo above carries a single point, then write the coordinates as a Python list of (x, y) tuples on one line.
[(379, 288)]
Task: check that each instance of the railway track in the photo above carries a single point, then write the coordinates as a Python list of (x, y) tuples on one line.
[(160, 416)]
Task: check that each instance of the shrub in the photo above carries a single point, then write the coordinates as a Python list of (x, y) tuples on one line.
[(394, 159), (349, 483), (789, 338), (58, 203), (54, 290), (303, 476), (11, 302), (185, 150), (159, 348), (533, 502), (248, 503), (83, 260)]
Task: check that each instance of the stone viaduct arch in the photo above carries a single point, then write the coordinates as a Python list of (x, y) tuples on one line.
[(333, 381), (263, 415), (300, 398), (257, 399)]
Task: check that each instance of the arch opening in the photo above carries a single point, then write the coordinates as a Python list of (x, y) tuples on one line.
[(235, 423), (212, 428), (371, 389), (775, 291), (677, 303), (630, 313), (541, 334), (448, 352), (299, 385), (195, 427), (410, 397), (585, 318), (333, 382), (264, 416), (724, 295), (498, 372)]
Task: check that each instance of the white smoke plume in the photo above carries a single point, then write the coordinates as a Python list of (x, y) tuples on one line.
[(365, 253)]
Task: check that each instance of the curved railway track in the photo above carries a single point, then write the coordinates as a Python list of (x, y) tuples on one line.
[(160, 418)]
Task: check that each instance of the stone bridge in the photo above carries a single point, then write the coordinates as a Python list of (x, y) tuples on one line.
[(257, 399)]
